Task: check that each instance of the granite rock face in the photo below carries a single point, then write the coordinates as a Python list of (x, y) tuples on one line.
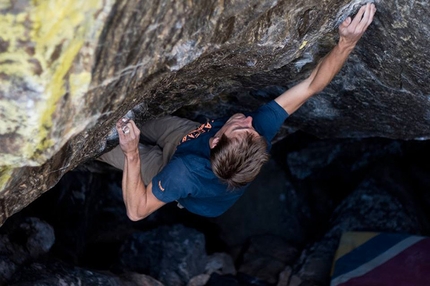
[(70, 69)]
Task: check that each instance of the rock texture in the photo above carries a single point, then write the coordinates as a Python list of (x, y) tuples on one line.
[(22, 243), (266, 257), (172, 255), (70, 69), (59, 273)]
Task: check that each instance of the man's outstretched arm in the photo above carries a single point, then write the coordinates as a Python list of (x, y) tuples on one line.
[(138, 198), (350, 31)]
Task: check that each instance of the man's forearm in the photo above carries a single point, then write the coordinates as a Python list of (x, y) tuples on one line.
[(133, 188), (350, 32), (138, 198), (331, 64), (320, 77)]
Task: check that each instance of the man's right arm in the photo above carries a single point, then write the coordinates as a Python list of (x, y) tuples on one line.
[(138, 198), (350, 32)]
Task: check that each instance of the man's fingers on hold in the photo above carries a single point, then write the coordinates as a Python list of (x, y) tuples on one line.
[(127, 129), (119, 128), (368, 16), (135, 128), (371, 13), (132, 124), (120, 135), (369, 21), (364, 20), (346, 22), (359, 15)]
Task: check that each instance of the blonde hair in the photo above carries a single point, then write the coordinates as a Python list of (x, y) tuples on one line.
[(237, 161)]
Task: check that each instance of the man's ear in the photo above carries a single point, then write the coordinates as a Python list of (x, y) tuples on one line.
[(214, 141)]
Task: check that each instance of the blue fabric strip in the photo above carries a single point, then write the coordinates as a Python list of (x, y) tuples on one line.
[(366, 252)]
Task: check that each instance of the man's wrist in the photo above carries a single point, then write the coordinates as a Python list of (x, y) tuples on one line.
[(345, 46), (131, 156)]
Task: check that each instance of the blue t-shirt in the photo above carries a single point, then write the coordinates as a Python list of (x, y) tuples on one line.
[(188, 178)]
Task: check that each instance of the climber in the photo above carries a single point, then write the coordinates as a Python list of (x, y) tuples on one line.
[(206, 167)]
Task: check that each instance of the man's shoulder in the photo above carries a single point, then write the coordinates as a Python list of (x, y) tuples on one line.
[(271, 106), (180, 178), (268, 119)]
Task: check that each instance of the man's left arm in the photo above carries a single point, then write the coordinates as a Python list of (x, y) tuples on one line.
[(350, 32)]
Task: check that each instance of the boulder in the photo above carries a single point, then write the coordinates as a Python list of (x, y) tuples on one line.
[(172, 255), (266, 257), (69, 69), (60, 273), (21, 242), (381, 203)]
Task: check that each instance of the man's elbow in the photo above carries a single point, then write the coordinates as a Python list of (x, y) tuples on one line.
[(135, 216)]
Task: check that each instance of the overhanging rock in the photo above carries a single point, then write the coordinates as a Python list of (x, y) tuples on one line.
[(70, 69)]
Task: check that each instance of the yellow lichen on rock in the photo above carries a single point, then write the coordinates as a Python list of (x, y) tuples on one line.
[(10, 110), (64, 34), (12, 30), (5, 175), (39, 65)]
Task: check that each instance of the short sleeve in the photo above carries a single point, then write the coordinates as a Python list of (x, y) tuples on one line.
[(173, 182), (268, 119)]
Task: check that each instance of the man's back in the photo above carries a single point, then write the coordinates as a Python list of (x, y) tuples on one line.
[(189, 179)]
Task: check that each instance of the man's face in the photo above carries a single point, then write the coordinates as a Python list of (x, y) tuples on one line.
[(237, 126)]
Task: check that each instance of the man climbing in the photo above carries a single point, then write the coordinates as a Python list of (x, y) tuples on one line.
[(206, 168)]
